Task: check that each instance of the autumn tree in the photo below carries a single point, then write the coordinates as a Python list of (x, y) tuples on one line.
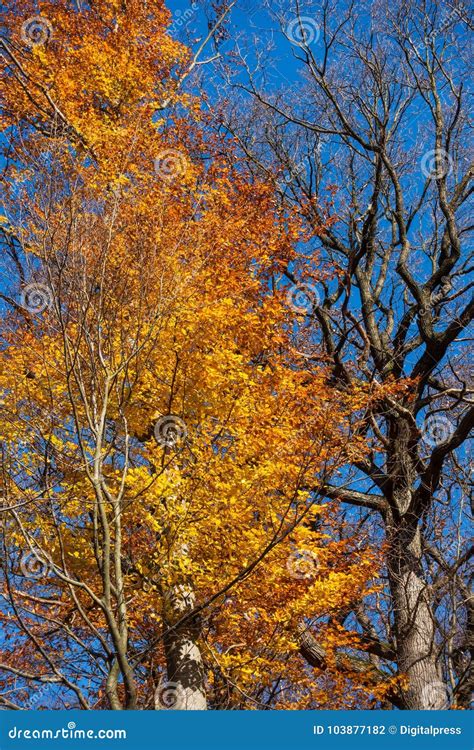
[(373, 125), (163, 450)]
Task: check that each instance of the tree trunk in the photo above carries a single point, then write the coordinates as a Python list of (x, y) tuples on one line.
[(417, 652), (185, 689), (413, 616)]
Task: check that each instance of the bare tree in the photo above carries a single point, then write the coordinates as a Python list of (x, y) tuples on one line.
[(373, 130)]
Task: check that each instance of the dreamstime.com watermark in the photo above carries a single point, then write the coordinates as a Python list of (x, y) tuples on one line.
[(303, 31), (36, 31), (169, 430), (182, 18), (67, 733), (169, 696), (302, 298), (170, 164), (36, 298)]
